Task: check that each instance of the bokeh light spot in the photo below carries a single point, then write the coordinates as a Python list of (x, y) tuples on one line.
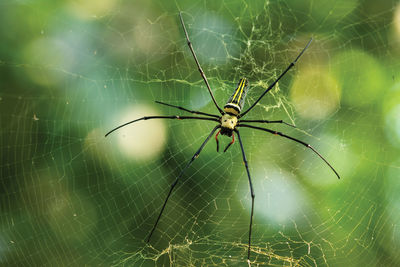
[(396, 20), (339, 154), (315, 93), (94, 143), (278, 199), (142, 140), (360, 76), (48, 58), (90, 9), (391, 113), (392, 120)]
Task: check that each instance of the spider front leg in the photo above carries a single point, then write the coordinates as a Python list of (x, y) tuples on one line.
[(189, 43), (162, 117), (228, 146), (188, 110), (231, 143), (216, 139), (251, 192), (277, 79)]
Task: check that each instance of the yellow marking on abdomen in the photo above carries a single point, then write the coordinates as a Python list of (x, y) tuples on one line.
[(240, 87)]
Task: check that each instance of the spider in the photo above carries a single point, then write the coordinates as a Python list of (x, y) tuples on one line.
[(229, 120)]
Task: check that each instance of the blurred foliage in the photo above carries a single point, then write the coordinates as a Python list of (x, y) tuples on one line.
[(72, 70)]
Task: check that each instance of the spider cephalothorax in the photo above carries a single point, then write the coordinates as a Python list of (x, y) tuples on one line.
[(229, 120), (228, 124)]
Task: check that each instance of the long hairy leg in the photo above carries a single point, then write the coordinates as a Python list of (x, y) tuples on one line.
[(251, 192), (198, 64), (293, 139), (277, 79), (188, 110), (179, 176), (162, 117), (267, 121)]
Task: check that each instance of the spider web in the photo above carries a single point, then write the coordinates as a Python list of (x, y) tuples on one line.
[(73, 70)]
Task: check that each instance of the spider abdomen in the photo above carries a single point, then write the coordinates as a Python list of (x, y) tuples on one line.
[(236, 101)]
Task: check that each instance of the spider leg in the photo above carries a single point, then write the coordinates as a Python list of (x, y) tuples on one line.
[(179, 176), (233, 141), (267, 121), (198, 64), (251, 191), (162, 117), (216, 139), (185, 109), (294, 139), (280, 76)]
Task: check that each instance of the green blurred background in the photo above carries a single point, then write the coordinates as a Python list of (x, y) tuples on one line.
[(71, 70)]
